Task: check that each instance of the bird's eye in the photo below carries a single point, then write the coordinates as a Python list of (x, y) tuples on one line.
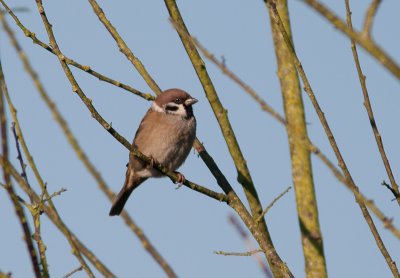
[(178, 100)]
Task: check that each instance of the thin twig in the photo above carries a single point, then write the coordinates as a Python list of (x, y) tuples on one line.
[(35, 210), (8, 185), (19, 157), (367, 103), (17, 10), (55, 193), (273, 203), (239, 254), (369, 18), (365, 42), (391, 189), (250, 245), (73, 272), (332, 141)]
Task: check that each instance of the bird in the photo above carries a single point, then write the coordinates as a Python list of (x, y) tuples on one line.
[(166, 135)]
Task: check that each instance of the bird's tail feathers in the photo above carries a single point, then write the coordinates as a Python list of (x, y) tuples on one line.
[(119, 202)]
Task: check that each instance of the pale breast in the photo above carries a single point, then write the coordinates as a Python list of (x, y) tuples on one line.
[(166, 138)]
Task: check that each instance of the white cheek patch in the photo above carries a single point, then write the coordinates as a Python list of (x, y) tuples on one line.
[(156, 108), (175, 109)]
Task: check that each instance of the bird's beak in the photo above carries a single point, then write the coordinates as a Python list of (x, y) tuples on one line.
[(190, 101)]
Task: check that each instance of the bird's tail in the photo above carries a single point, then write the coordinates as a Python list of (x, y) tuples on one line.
[(130, 184)]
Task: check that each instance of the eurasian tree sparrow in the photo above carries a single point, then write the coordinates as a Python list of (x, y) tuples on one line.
[(166, 135)]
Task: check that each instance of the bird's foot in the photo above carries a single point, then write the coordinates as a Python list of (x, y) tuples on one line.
[(181, 178), (180, 181)]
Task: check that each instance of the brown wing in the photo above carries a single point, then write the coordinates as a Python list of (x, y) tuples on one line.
[(135, 162)]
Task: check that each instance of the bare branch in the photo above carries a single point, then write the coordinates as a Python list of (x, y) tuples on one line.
[(35, 210), (73, 272), (240, 254)]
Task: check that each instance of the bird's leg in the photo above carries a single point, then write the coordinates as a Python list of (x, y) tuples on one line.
[(153, 161)]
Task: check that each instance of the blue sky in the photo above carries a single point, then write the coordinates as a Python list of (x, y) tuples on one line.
[(187, 227)]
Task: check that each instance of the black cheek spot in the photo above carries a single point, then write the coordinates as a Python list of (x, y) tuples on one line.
[(171, 108)]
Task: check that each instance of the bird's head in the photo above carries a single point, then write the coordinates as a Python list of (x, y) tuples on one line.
[(175, 102)]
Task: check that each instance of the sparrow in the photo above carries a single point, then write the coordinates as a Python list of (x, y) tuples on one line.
[(165, 134)]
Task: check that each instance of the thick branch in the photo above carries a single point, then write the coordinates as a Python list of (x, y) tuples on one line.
[(302, 175)]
